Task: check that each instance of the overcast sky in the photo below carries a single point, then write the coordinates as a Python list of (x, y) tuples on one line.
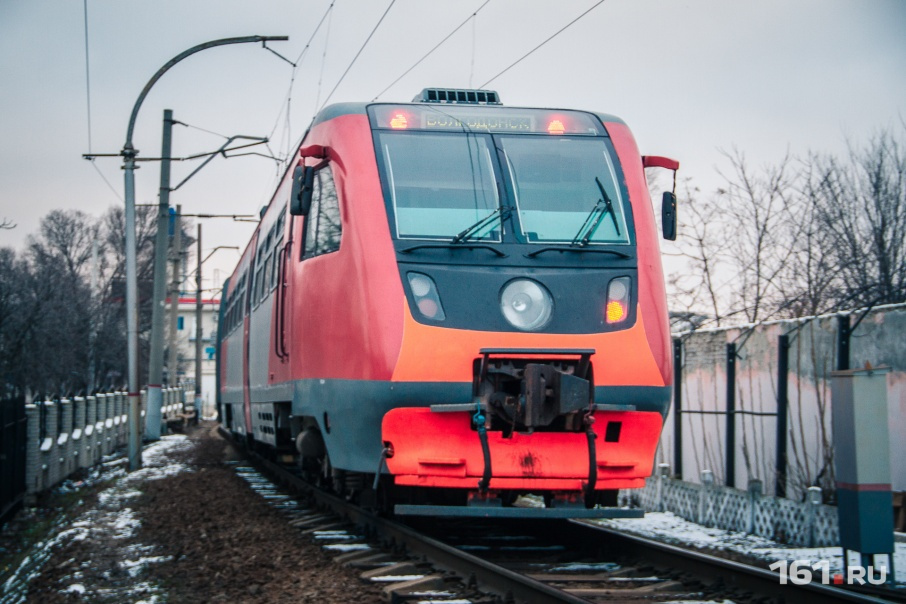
[(691, 78)]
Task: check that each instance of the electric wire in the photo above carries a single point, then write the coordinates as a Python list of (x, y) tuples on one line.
[(342, 77), (323, 63), (200, 129), (430, 52), (474, 46), (287, 99), (88, 106), (560, 31), (104, 178), (314, 33)]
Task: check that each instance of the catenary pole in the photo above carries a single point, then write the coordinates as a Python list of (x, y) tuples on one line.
[(156, 354), (198, 330), (176, 262), (129, 154)]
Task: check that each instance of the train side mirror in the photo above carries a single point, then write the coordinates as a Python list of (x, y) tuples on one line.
[(300, 195), (668, 215), (668, 201)]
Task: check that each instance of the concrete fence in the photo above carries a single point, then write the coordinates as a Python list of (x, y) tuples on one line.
[(67, 435)]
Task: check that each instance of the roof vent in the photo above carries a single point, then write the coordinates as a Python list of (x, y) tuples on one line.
[(459, 96)]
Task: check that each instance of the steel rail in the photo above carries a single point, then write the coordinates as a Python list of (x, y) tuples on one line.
[(736, 574), (505, 583), (515, 587)]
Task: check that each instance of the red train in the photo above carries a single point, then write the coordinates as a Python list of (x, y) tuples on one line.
[(450, 303)]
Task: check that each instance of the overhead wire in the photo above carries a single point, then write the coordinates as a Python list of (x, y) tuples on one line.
[(88, 106), (323, 63), (557, 33), (430, 52), (104, 178), (287, 99), (314, 33), (355, 58), (474, 45)]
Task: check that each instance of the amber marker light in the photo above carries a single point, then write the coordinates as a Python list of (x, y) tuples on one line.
[(556, 127), (399, 122), (617, 306), (615, 312)]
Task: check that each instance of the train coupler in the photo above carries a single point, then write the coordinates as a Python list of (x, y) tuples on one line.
[(529, 389)]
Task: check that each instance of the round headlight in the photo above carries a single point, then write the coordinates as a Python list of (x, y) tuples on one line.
[(527, 305)]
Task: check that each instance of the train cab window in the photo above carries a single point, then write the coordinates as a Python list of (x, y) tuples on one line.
[(565, 189), (440, 183), (323, 228)]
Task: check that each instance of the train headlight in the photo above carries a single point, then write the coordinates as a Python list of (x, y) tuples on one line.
[(425, 293), (526, 304), (617, 308)]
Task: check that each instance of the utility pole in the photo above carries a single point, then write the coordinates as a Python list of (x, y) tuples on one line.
[(198, 330), (134, 398), (175, 260), (156, 368), (129, 153)]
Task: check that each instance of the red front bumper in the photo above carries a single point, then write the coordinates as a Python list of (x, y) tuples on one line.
[(442, 450)]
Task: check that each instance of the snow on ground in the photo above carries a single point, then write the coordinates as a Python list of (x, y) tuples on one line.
[(668, 528), (111, 521)]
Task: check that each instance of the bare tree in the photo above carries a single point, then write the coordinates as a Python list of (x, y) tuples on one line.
[(703, 244), (52, 325), (738, 243), (761, 231), (860, 205)]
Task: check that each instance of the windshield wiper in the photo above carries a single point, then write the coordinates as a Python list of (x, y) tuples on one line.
[(583, 250), (447, 246), (503, 211), (594, 218)]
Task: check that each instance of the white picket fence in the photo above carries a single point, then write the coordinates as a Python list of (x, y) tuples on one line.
[(70, 434), (809, 523)]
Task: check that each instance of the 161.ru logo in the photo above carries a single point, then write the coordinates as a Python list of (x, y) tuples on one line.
[(799, 572)]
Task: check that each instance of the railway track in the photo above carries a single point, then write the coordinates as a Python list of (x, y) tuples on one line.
[(489, 561)]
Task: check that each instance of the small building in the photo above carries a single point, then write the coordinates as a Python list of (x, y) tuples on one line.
[(185, 335)]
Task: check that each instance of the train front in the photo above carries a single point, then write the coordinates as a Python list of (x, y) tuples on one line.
[(535, 321)]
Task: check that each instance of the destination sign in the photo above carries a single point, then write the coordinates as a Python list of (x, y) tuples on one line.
[(484, 119), (486, 122)]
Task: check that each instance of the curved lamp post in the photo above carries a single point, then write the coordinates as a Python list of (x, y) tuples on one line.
[(129, 154)]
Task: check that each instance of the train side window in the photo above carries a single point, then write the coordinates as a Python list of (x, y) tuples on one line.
[(323, 228), (275, 261)]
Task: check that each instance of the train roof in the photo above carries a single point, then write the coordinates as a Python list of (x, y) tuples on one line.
[(359, 108)]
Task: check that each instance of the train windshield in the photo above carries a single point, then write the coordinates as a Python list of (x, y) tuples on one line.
[(565, 189), (441, 184), (463, 169)]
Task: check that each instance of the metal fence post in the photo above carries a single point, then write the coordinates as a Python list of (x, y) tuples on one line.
[(707, 478), (843, 335), (755, 490), (783, 370), (811, 513), (663, 473), (730, 452), (678, 408)]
